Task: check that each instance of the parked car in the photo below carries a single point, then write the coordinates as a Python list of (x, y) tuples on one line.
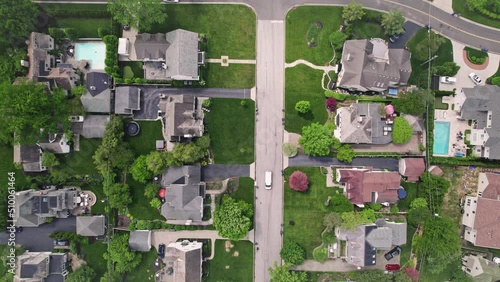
[(161, 251), (268, 179), (76, 118), (393, 253), (475, 78), (448, 80), (61, 242), (392, 267), (394, 38)]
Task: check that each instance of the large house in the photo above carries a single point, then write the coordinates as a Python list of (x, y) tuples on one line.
[(367, 186), (411, 168), (362, 124), (183, 117), (481, 216), (30, 156), (363, 242), (183, 262), (184, 194), (32, 208), (481, 104), (370, 66), (41, 267), (480, 269)]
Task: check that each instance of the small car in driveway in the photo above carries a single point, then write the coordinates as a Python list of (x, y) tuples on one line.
[(61, 242), (393, 253), (392, 267), (448, 80), (475, 78), (161, 251)]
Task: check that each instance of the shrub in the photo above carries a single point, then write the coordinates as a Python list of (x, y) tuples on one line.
[(207, 103), (375, 206), (102, 31), (303, 107), (495, 80), (299, 181), (402, 131), (71, 34), (394, 209), (290, 149), (331, 104), (243, 103), (292, 253)]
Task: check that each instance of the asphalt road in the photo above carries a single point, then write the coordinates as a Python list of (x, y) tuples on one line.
[(378, 163), (220, 172)]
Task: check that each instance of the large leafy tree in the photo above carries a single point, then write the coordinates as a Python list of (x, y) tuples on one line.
[(82, 274), (118, 195), (282, 274), (339, 203), (447, 69), (345, 153), (332, 220), (18, 20), (337, 39), (432, 41), (10, 68), (293, 253), (352, 12), (49, 160), (316, 140), (393, 22), (140, 171), (26, 108), (350, 220), (188, 153), (436, 186), (298, 181), (412, 103), (120, 254), (402, 131), (233, 219), (139, 14), (371, 276)]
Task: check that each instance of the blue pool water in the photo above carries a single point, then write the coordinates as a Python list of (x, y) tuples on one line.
[(441, 137), (95, 52)]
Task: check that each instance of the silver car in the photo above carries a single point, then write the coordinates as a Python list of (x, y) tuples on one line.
[(475, 78)]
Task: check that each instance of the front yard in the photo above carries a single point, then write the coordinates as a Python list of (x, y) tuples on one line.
[(233, 261), (233, 76)]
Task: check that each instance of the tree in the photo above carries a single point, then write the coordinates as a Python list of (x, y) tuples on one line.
[(156, 162), (332, 220), (71, 33), (151, 191), (337, 39), (371, 276), (233, 219), (316, 140), (298, 181), (57, 33), (436, 186), (155, 203), (118, 195), (418, 203), (187, 153), (49, 160), (340, 203), (290, 149), (495, 80), (203, 142), (412, 103), (393, 22), (10, 66), (303, 107), (402, 131), (20, 112), (345, 153), (351, 220), (432, 42), (331, 104), (446, 69), (140, 171), (78, 90), (282, 274), (120, 254), (141, 15), (18, 21), (292, 253), (352, 12), (401, 276), (418, 215), (111, 276), (82, 274)]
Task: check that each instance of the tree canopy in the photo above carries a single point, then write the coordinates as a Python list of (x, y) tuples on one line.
[(350, 220), (298, 181), (352, 12), (140, 171), (339, 203), (188, 153), (316, 140), (303, 107), (82, 274), (432, 41), (332, 220), (282, 274), (412, 103), (337, 39), (18, 21), (49, 160), (393, 22), (10, 66), (290, 149), (402, 132), (139, 14), (233, 219), (118, 195), (436, 186), (345, 153), (446, 69), (293, 253), (120, 254)]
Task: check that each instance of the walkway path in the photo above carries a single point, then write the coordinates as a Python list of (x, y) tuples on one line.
[(311, 65), (233, 61)]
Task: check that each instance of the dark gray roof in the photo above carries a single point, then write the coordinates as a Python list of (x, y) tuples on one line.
[(31, 158), (90, 225), (182, 54), (56, 264), (362, 124), (184, 258), (93, 126), (96, 82), (184, 195), (54, 143), (127, 99), (370, 250), (151, 46), (28, 270), (140, 240), (183, 118)]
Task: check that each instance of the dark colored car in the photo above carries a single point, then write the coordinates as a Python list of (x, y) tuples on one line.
[(393, 253), (392, 267), (19, 229), (161, 250)]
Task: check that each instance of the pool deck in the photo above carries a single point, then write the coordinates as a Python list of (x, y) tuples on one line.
[(456, 126)]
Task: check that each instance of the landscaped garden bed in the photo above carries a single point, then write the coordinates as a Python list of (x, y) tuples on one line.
[(475, 56)]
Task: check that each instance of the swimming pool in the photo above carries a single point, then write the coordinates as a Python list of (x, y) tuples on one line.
[(95, 52), (441, 137)]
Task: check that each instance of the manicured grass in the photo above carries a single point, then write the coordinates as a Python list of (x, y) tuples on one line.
[(145, 141), (367, 30), (406, 248), (438, 104), (303, 83), (98, 207), (459, 6), (145, 270), (134, 69), (228, 266), (94, 257), (140, 207), (233, 76), (230, 29), (245, 190), (419, 71), (411, 193), (86, 27), (231, 127), (306, 210), (7, 165), (476, 53), (80, 162), (298, 22)]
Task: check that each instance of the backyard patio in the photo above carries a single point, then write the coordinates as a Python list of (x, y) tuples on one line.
[(457, 129)]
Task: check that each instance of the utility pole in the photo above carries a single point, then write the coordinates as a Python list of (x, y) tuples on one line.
[(435, 56)]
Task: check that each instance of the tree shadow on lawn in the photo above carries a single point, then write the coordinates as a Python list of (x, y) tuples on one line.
[(307, 116)]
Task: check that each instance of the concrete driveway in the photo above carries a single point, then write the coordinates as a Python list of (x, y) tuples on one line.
[(36, 239), (379, 163), (220, 172), (411, 28)]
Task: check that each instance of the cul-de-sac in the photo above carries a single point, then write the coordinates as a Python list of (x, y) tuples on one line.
[(249, 140)]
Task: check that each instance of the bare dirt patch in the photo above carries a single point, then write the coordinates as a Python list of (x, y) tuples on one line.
[(236, 254), (463, 182), (227, 267), (228, 246)]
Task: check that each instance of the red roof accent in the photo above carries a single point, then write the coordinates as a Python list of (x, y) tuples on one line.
[(361, 184), (415, 167)]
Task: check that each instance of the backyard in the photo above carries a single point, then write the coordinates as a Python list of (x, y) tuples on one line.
[(145, 141), (233, 261), (93, 255), (411, 189), (232, 139), (233, 76), (80, 162), (145, 270), (140, 207), (439, 105), (7, 165), (460, 6), (132, 69), (303, 83)]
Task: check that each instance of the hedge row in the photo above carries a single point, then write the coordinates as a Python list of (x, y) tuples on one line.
[(464, 161), (475, 60), (75, 13), (441, 93), (111, 60), (157, 224), (488, 13)]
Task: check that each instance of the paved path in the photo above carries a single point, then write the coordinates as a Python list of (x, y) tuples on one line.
[(311, 65), (379, 163), (233, 61), (220, 172)]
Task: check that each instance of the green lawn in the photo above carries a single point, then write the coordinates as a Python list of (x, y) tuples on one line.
[(306, 210), (80, 162), (145, 270), (333, 276), (303, 83), (419, 71), (459, 6), (411, 193), (406, 248), (298, 21), (438, 104), (476, 53), (245, 190), (145, 141), (233, 76), (232, 139), (140, 207), (7, 165), (98, 207), (231, 267), (94, 257), (134, 69), (367, 30), (230, 28)]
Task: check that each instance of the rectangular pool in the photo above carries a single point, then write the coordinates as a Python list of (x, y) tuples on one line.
[(441, 137), (95, 52)]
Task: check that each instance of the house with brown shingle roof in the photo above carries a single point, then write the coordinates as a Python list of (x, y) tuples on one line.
[(481, 216), (367, 186), (411, 168)]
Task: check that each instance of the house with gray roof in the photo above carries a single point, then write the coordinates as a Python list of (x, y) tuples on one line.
[(140, 240), (93, 126), (30, 157), (370, 66), (32, 208), (363, 242), (90, 225), (481, 105), (97, 98), (184, 194), (362, 124), (480, 269), (55, 143), (127, 100), (183, 262), (183, 117), (41, 267), (171, 56)]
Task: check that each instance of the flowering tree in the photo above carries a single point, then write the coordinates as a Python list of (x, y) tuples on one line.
[(331, 104), (299, 181)]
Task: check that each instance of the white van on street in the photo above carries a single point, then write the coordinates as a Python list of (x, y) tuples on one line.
[(268, 179)]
